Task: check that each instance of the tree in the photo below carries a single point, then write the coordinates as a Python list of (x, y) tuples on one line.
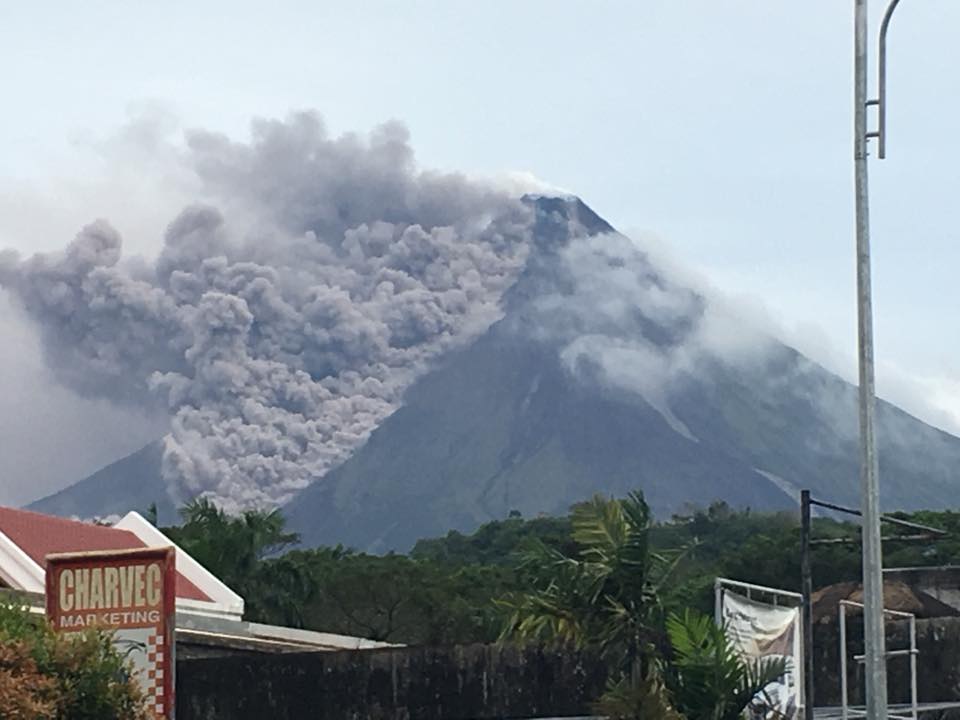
[(613, 594), (232, 544), (236, 549), (709, 678), (383, 598), (609, 595), (48, 676), (25, 693), (495, 543), (648, 699), (399, 599)]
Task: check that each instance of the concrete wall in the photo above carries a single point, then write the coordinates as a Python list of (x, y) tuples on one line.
[(477, 681), (943, 583)]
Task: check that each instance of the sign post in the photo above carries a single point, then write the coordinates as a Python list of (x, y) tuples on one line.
[(131, 593)]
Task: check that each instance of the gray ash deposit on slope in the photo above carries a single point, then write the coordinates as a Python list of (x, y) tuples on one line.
[(281, 325)]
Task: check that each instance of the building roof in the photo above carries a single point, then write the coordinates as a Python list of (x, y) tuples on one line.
[(209, 615), (898, 596), (40, 535)]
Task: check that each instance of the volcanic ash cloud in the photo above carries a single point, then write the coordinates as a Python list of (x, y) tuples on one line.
[(283, 317)]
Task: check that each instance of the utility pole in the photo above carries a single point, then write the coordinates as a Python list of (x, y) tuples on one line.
[(925, 534), (806, 589), (875, 670)]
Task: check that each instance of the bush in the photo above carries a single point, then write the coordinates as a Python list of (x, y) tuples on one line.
[(47, 676), (24, 693)]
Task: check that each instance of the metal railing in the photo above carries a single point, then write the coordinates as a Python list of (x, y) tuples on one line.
[(846, 710)]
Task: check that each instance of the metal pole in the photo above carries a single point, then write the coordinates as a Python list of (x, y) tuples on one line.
[(875, 662), (913, 666), (806, 588), (882, 81), (718, 602), (843, 661)]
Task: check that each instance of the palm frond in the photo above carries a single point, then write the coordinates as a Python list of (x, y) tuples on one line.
[(756, 676), (599, 528), (666, 565), (711, 680), (542, 616), (613, 540)]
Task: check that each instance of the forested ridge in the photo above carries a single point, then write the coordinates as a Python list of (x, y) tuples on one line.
[(449, 590)]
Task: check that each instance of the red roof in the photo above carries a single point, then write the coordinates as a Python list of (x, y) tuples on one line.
[(41, 535)]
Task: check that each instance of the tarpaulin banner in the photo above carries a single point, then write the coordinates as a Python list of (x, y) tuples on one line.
[(131, 593), (762, 630)]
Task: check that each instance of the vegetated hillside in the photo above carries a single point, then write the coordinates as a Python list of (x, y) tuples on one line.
[(446, 591)]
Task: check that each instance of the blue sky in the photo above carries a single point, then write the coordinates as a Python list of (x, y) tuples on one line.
[(723, 129)]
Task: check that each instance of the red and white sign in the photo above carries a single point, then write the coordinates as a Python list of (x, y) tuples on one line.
[(131, 593)]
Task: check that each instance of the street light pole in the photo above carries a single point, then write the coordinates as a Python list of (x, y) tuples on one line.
[(875, 653)]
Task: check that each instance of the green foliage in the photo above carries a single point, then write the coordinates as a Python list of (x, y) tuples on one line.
[(496, 543), (710, 680), (607, 576), (398, 599), (554, 571), (236, 550), (431, 597), (608, 595), (392, 598), (760, 548), (77, 677), (234, 544), (648, 699), (611, 595)]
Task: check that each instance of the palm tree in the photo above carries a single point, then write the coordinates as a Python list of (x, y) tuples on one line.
[(608, 595), (241, 550), (711, 680), (612, 594), (231, 546)]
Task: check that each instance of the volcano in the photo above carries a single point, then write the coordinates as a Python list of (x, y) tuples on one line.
[(602, 375)]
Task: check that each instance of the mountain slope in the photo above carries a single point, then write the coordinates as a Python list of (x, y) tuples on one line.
[(503, 426), (603, 375), (558, 401), (131, 483)]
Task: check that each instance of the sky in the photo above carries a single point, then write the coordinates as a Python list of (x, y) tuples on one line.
[(720, 132)]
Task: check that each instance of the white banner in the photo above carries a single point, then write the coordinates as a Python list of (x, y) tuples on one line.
[(761, 630)]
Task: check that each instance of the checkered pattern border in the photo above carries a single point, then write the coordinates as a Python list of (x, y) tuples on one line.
[(154, 685)]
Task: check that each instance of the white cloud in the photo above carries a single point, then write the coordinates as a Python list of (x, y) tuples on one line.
[(733, 327), (133, 175), (934, 399), (523, 182)]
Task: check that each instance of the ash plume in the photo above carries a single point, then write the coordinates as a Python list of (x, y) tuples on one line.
[(284, 316)]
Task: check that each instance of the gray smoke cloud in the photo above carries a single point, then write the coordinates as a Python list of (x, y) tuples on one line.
[(283, 318)]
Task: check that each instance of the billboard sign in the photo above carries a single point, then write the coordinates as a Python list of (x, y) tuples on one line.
[(131, 593), (762, 630)]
